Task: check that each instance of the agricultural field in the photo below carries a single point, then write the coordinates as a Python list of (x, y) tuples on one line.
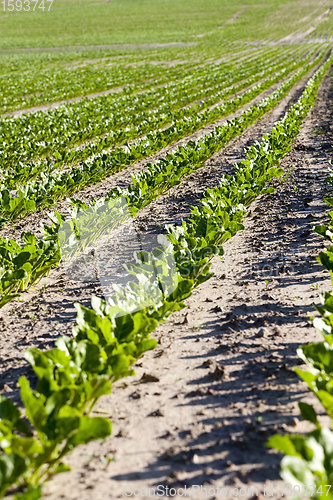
[(166, 249)]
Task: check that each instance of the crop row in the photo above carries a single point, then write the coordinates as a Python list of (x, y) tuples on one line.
[(155, 179), (193, 69), (146, 122), (23, 86), (108, 339)]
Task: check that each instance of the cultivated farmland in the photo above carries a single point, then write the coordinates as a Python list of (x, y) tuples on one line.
[(166, 249)]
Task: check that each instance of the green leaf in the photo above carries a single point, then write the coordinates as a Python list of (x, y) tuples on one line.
[(326, 400), (283, 444), (21, 259), (295, 469), (12, 467), (146, 345), (308, 413), (61, 467), (33, 493), (8, 410), (34, 404), (91, 428)]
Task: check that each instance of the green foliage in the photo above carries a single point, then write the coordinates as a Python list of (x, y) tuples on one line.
[(122, 116), (308, 463)]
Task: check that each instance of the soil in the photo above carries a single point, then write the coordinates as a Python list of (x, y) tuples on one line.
[(202, 405)]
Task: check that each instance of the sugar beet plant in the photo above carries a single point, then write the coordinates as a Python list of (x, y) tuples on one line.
[(58, 413)]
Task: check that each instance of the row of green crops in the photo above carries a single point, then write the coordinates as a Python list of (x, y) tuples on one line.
[(308, 464), (107, 339), (40, 133), (176, 97), (155, 179)]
